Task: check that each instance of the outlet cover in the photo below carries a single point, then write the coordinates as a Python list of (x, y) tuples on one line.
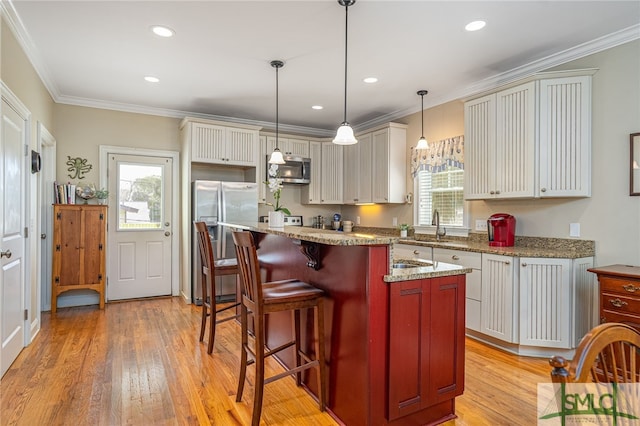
[(574, 229), (395, 221), (481, 225)]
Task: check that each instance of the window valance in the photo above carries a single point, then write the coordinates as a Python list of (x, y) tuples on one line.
[(439, 155)]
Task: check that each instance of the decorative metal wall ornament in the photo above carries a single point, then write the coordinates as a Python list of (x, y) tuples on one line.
[(78, 166)]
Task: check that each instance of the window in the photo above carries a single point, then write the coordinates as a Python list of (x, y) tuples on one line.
[(442, 191)]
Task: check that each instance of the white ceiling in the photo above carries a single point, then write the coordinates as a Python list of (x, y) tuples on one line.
[(96, 53)]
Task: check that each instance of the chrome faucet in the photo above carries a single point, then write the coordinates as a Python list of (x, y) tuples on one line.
[(435, 221)]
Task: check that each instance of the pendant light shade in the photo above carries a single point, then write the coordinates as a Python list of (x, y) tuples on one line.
[(276, 155), (422, 142), (344, 136)]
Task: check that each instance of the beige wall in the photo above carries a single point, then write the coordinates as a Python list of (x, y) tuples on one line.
[(80, 131), (20, 77)]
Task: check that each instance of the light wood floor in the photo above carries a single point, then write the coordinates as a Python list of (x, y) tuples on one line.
[(140, 363)]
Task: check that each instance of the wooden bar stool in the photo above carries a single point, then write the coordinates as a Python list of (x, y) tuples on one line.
[(262, 299), (210, 269)]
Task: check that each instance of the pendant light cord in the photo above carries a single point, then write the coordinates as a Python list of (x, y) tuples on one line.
[(277, 120), (346, 32), (422, 135)]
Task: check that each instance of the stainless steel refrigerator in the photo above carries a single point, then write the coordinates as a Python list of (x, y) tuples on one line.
[(213, 202)]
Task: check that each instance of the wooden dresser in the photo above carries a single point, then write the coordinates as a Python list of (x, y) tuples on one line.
[(619, 294)]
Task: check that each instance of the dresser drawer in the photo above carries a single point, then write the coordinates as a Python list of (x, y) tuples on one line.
[(632, 320), (614, 302), (627, 287)]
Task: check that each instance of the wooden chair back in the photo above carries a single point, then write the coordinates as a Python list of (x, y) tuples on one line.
[(609, 353), (249, 270), (207, 261)]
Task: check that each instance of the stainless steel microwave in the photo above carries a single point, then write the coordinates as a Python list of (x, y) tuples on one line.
[(295, 169)]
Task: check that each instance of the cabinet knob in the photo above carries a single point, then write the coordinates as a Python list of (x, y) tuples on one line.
[(524, 265), (543, 189), (618, 303), (630, 288), (492, 192), (6, 254), (507, 262), (455, 257), (416, 252), (166, 234), (497, 192)]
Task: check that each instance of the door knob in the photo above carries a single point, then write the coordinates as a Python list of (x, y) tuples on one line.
[(6, 254)]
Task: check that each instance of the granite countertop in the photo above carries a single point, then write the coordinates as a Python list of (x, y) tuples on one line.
[(433, 270), (550, 248), (322, 236)]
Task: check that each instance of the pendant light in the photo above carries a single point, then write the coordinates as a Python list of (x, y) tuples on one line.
[(422, 142), (276, 155), (344, 136)]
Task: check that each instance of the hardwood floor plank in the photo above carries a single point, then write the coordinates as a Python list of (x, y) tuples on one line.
[(140, 363)]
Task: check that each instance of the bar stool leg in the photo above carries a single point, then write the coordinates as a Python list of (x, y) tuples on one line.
[(212, 328), (203, 323), (259, 383), (296, 335), (243, 352), (322, 374)]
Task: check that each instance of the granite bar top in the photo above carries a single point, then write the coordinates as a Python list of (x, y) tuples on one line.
[(436, 269), (322, 236)]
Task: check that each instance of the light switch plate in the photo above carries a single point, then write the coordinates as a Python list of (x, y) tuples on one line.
[(481, 225), (574, 229), (395, 221)]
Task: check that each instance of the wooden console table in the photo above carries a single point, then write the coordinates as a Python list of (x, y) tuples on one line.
[(619, 294)]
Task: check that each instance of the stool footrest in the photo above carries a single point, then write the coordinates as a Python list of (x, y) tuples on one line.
[(292, 371)]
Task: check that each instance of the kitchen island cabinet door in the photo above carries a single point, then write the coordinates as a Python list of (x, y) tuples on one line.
[(426, 343)]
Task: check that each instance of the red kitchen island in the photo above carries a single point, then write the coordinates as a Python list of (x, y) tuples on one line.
[(394, 336)]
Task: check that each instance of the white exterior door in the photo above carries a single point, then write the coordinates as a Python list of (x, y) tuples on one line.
[(12, 241), (140, 230)]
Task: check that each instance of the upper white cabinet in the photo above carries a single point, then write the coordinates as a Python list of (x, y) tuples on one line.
[(330, 173), (261, 169), (389, 163), (221, 144), (500, 144), (531, 140), (310, 194), (289, 146), (358, 170), (565, 137)]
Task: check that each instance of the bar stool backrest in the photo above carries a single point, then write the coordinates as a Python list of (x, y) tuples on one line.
[(249, 270)]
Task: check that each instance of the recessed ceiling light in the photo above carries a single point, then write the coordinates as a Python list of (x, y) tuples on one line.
[(162, 31), (370, 80), (152, 79), (317, 107), (475, 25)]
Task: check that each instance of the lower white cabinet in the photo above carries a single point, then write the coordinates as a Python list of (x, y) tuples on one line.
[(499, 316), (473, 301), (558, 301)]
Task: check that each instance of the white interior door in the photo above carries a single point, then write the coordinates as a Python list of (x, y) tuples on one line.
[(140, 226), (12, 241)]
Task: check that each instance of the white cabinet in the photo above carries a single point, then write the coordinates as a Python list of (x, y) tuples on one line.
[(531, 140), (330, 173), (310, 194), (289, 146), (389, 163), (500, 144), (409, 251), (499, 316), (557, 301), (261, 170), (357, 171), (473, 281), (565, 137), (217, 144)]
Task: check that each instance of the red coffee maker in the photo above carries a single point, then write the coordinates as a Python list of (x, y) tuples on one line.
[(502, 230)]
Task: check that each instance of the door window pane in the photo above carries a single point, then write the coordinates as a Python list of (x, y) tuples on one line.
[(139, 196)]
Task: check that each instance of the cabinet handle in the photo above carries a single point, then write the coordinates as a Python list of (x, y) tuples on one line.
[(618, 303), (455, 257), (630, 288)]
